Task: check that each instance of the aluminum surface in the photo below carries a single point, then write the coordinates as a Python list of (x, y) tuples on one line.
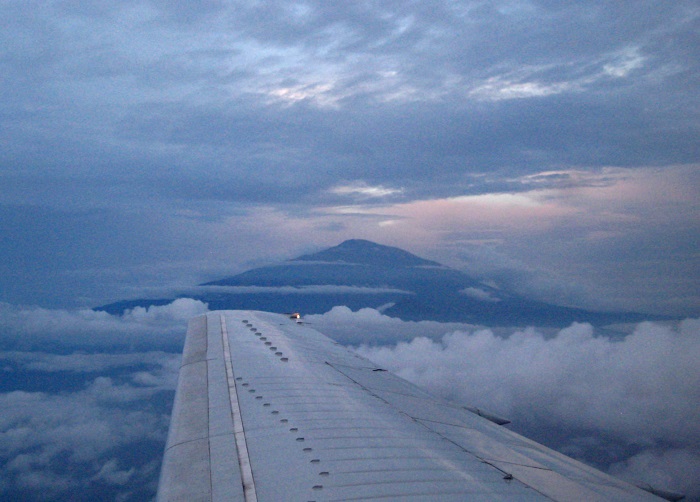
[(315, 422)]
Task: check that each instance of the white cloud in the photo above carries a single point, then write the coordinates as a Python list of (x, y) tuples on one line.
[(101, 433), (39, 328), (316, 289), (498, 89), (369, 326), (365, 191), (85, 424), (111, 474), (480, 294), (624, 62), (180, 310), (644, 388), (82, 362), (53, 444), (641, 390), (532, 81)]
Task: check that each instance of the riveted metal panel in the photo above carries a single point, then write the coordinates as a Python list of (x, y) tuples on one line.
[(200, 461), (321, 423)]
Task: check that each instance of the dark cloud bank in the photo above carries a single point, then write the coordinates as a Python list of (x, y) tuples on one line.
[(86, 396)]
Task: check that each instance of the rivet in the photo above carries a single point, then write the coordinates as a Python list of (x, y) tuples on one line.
[(258, 397), (284, 420), (268, 343), (239, 378), (251, 391), (275, 412), (263, 338), (245, 384), (315, 461), (318, 487), (308, 449), (278, 353), (323, 473), (266, 404), (284, 359), (300, 439), (293, 429), (273, 348)]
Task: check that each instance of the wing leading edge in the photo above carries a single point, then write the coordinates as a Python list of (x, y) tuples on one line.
[(271, 410)]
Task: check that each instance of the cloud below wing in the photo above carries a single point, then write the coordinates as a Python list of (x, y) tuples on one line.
[(630, 402), (627, 404), (85, 399)]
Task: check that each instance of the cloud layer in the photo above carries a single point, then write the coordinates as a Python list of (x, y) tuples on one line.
[(629, 405), (85, 399), (40, 329)]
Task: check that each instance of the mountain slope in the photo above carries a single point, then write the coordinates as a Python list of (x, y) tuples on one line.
[(363, 252), (359, 273)]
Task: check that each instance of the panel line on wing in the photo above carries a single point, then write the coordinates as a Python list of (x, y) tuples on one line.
[(206, 365), (459, 446), (249, 491)]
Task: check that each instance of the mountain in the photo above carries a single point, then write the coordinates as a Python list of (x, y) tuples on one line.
[(362, 252), (359, 273)]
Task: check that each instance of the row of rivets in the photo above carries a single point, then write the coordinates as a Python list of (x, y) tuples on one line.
[(268, 343), (299, 439)]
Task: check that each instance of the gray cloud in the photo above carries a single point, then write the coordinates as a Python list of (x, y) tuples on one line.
[(663, 467), (272, 91)]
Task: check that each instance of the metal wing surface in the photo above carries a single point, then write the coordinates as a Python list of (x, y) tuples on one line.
[(269, 409)]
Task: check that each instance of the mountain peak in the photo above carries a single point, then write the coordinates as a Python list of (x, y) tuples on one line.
[(359, 273), (364, 252)]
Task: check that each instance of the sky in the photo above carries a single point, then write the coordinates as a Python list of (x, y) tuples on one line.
[(549, 148)]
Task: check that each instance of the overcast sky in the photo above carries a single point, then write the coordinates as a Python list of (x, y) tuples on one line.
[(549, 146)]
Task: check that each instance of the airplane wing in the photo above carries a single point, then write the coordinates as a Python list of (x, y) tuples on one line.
[(268, 409)]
